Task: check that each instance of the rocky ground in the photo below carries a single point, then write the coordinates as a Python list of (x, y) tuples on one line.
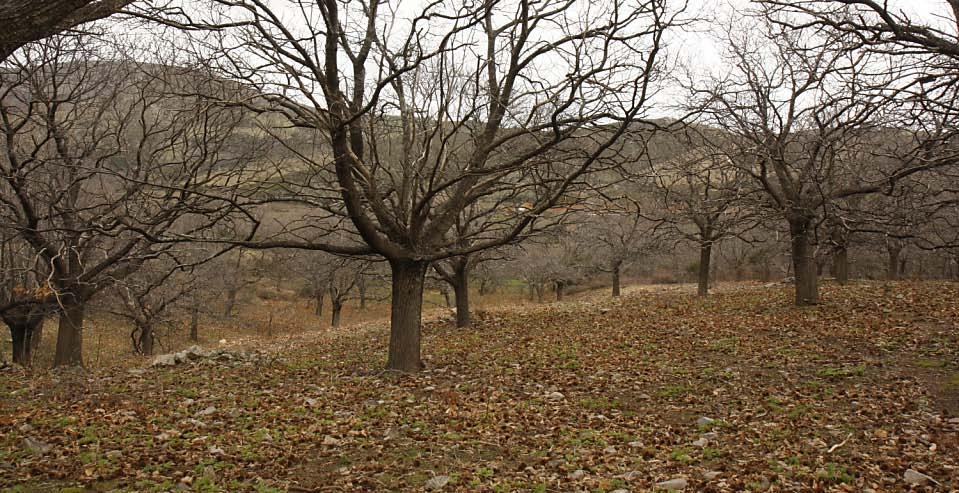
[(655, 391)]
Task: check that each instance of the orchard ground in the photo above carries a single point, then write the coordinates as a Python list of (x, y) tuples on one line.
[(737, 392)]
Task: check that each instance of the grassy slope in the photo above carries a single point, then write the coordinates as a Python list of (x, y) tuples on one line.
[(844, 396)]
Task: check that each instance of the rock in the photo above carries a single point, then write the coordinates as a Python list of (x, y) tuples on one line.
[(917, 478), (26, 428), (676, 484), (215, 450), (702, 442), (311, 402), (164, 360), (328, 440), (631, 475), (711, 475), (36, 447), (635, 444), (704, 421), (555, 396), (621, 490), (206, 412), (609, 450), (577, 474), (113, 454), (436, 482)]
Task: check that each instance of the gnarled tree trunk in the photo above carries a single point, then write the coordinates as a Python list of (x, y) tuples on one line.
[(405, 315), (705, 259), (70, 333), (617, 267), (804, 265), (24, 323), (461, 289), (337, 310)]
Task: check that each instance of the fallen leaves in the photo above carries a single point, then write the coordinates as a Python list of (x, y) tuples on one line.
[(739, 392)]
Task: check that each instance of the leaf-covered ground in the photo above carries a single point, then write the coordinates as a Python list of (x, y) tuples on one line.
[(589, 395)]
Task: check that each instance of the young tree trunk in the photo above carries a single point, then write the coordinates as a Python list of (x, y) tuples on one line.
[(617, 291), (705, 258), (405, 315), (892, 269), (840, 265), (70, 333), (337, 308), (195, 323), (558, 287), (37, 335), (318, 297), (230, 302), (146, 340), (361, 286), (540, 293), (445, 291), (461, 289), (804, 265)]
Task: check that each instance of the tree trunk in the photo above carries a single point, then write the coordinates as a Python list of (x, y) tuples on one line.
[(146, 340), (617, 291), (445, 291), (804, 265), (840, 265), (337, 309), (195, 323), (230, 302), (361, 286), (539, 293), (405, 315), (37, 335), (705, 259), (461, 289), (70, 333), (318, 297), (558, 287), (892, 270), (23, 331)]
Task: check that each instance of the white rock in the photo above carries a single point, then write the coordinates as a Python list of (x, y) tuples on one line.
[(215, 450), (711, 475), (577, 474), (555, 396), (328, 440), (437, 482), (621, 490), (164, 360), (704, 421), (702, 442), (206, 412), (676, 484), (912, 476), (36, 447)]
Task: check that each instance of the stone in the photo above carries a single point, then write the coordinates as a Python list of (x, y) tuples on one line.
[(704, 421), (917, 478), (609, 450), (328, 440), (26, 428), (675, 484), (555, 396), (436, 482), (621, 490), (577, 474), (702, 442), (113, 454), (711, 475), (164, 360), (36, 447), (206, 412), (215, 450), (311, 402)]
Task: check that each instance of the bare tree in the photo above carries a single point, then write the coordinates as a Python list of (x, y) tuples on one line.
[(423, 117), (799, 111), (98, 151)]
